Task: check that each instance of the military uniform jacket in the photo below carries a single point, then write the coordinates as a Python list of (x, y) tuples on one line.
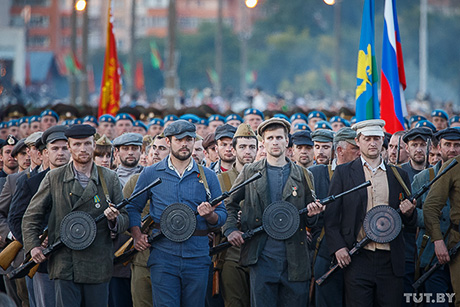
[(59, 194), (256, 198)]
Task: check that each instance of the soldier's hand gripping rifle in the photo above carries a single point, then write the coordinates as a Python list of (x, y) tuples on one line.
[(252, 232), (146, 222), (375, 236), (170, 209), (24, 269)]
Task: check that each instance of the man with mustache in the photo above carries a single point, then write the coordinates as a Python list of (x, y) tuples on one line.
[(224, 136), (128, 149), (395, 142), (302, 148), (322, 139), (416, 145)]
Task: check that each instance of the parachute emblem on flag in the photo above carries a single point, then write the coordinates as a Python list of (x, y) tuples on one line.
[(364, 71)]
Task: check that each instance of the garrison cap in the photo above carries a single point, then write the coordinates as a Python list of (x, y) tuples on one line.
[(244, 130), (104, 141), (421, 132), (12, 123), (271, 121), (300, 127), (454, 119), (203, 121), (157, 121), (254, 112), (233, 117), (317, 114), (34, 118), (225, 131), (370, 127), (10, 140), (123, 116), (54, 133), (298, 116), (180, 129), (209, 140), (20, 145), (107, 118), (170, 117), (80, 131), (191, 118), (416, 118), (49, 113), (129, 138), (216, 118), (30, 140), (322, 124), (345, 134), (280, 115), (138, 123), (440, 113), (452, 134), (23, 120), (322, 136), (426, 124), (302, 138), (91, 119)]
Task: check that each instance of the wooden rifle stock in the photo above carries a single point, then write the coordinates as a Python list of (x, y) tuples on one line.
[(9, 253), (215, 273), (128, 245)]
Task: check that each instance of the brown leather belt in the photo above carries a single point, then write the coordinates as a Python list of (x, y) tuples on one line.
[(197, 233)]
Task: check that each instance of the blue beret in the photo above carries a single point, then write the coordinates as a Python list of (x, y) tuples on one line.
[(420, 132), (67, 122), (77, 121), (452, 134), (12, 123), (337, 119), (129, 138), (123, 116), (53, 134), (23, 120), (302, 138), (191, 118), (353, 120), (454, 119), (416, 118), (301, 126), (170, 117), (90, 119), (180, 129), (80, 131), (49, 113), (298, 116), (3, 125), (215, 118), (34, 118), (322, 124), (322, 135), (440, 113), (426, 124), (156, 121), (138, 123), (280, 115), (316, 114), (254, 112), (225, 131), (107, 118), (203, 121), (233, 117)]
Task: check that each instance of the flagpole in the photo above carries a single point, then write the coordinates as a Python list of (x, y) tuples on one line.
[(84, 58), (73, 48), (423, 52)]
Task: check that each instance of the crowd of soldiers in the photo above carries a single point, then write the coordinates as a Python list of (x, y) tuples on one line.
[(52, 168)]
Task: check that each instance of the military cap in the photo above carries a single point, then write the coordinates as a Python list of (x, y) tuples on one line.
[(156, 121), (129, 138), (225, 131), (54, 133), (170, 117), (440, 113), (67, 122), (34, 118), (15, 111), (337, 119), (91, 119), (216, 118), (416, 118), (233, 117), (244, 130), (345, 134), (180, 129), (454, 119), (107, 118), (317, 114), (123, 116), (20, 145), (138, 123), (10, 140), (203, 121), (300, 126), (209, 140), (421, 132), (23, 120), (280, 115), (191, 118), (406, 123), (30, 140), (426, 124), (272, 121), (452, 134), (298, 116), (12, 123), (77, 121), (353, 120), (39, 144), (386, 139), (302, 138), (322, 135), (104, 141), (322, 124), (254, 112), (49, 113), (370, 127), (80, 131)]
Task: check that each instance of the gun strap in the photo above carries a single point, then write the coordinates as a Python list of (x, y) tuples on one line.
[(431, 172), (104, 185), (318, 243), (425, 240), (226, 179), (330, 171), (309, 183), (400, 180), (434, 254), (205, 182)]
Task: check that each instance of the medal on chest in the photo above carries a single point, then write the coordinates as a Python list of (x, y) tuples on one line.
[(294, 191), (97, 202)]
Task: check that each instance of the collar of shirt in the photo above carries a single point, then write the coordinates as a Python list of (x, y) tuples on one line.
[(334, 164), (172, 167), (381, 165)]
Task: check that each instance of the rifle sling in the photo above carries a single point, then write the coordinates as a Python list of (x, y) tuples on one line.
[(205, 182), (104, 185), (425, 240), (400, 180)]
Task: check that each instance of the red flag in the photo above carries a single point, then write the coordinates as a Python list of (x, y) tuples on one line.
[(109, 100), (139, 77)]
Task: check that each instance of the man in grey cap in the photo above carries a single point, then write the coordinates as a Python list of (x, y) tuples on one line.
[(223, 136), (330, 293), (302, 148), (128, 149), (32, 150), (179, 270), (322, 139)]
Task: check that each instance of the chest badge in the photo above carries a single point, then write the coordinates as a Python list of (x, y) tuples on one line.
[(294, 191), (97, 202)]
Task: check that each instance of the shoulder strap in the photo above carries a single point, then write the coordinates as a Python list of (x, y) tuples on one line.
[(309, 183), (330, 171), (400, 180), (104, 185), (205, 182), (431, 171)]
